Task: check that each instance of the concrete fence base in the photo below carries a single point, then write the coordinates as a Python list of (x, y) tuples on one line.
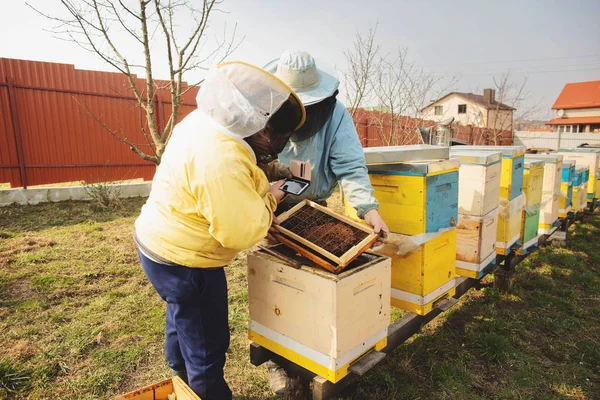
[(54, 194)]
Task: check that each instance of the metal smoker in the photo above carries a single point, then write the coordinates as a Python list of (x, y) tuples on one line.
[(442, 134)]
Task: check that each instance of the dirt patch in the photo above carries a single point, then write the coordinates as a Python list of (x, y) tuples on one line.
[(21, 350), (25, 245)]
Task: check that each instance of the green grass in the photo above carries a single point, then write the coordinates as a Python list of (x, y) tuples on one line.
[(79, 320)]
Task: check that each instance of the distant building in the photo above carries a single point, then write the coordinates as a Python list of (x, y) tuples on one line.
[(577, 108), (482, 111)]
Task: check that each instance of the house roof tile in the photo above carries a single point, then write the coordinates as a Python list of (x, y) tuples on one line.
[(579, 95)]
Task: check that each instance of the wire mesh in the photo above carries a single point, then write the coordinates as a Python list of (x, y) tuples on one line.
[(324, 230)]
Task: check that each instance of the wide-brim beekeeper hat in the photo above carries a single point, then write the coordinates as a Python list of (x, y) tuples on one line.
[(311, 80), (241, 98)]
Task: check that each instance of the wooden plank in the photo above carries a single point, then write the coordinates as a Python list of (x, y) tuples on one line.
[(366, 362), (358, 249), (259, 355)]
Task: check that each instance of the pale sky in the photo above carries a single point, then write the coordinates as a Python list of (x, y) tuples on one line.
[(551, 42)]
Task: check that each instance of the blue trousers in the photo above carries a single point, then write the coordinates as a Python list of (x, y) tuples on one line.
[(197, 324)]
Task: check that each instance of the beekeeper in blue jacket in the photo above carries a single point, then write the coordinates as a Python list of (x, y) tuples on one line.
[(328, 139)]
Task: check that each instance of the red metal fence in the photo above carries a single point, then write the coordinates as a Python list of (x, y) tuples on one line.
[(47, 135), (375, 129)]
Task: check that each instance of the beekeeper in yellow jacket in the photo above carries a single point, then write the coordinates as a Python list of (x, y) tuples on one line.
[(209, 200)]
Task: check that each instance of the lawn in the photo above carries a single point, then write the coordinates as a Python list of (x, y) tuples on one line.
[(80, 321)]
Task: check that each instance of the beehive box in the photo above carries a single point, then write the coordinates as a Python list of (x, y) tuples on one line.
[(415, 197), (161, 391), (550, 191), (566, 188), (598, 184), (317, 319), (510, 217), (475, 243), (511, 178), (423, 272), (580, 189), (578, 195), (583, 197), (533, 182), (478, 181), (530, 227), (585, 157)]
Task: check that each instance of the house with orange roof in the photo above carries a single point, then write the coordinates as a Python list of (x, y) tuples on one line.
[(577, 108)]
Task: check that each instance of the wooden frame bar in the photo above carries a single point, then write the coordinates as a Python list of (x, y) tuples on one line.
[(311, 248)]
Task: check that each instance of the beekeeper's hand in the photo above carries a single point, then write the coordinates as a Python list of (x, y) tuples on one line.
[(373, 218), (270, 238), (276, 171), (276, 191)]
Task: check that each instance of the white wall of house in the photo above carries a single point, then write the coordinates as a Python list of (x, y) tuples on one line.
[(500, 119), (582, 112), (450, 105)]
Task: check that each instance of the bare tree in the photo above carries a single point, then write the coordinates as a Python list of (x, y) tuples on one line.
[(512, 92), (177, 28), (391, 88), (358, 77), (401, 90)]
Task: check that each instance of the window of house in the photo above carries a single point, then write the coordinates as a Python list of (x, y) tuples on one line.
[(439, 110), (462, 108), (566, 128)]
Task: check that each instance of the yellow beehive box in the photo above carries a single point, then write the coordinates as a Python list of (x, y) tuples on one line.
[(172, 388), (475, 243), (551, 190), (597, 183), (581, 193), (533, 182), (565, 203), (510, 217), (577, 205), (423, 269), (415, 197), (511, 178), (316, 319), (478, 181), (589, 157)]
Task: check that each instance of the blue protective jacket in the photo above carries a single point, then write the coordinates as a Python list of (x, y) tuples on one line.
[(336, 155)]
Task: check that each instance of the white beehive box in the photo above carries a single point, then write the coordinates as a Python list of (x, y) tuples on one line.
[(478, 181), (475, 243), (553, 164), (316, 319)]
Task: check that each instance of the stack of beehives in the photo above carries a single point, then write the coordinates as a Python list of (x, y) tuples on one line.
[(551, 190), (478, 199), (580, 188), (566, 188), (583, 157), (512, 201), (417, 190), (533, 182)]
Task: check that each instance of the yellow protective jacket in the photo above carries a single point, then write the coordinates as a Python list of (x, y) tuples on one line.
[(209, 200)]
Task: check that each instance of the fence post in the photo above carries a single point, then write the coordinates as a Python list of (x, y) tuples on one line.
[(16, 131), (366, 132), (559, 137)]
